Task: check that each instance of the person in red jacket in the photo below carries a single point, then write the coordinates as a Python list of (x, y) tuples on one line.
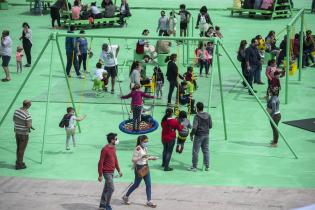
[(106, 166), (169, 127)]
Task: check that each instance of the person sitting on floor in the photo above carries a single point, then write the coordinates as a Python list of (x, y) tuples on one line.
[(124, 11), (98, 79), (75, 11), (95, 11)]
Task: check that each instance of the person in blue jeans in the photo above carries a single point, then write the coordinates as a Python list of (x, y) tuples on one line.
[(200, 137), (140, 160), (72, 54), (82, 47)]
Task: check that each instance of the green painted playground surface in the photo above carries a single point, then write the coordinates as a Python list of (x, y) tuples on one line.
[(243, 160)]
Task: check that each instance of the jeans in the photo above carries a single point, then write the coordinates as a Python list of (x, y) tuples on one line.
[(136, 112), (21, 143), (55, 15), (203, 142), (244, 71), (307, 54), (167, 152), (70, 132), (173, 84), (204, 63), (276, 118), (251, 76), (82, 58), (257, 71), (108, 189), (27, 46), (138, 179), (72, 59), (163, 32)]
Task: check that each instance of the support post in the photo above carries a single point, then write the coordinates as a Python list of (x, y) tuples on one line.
[(259, 102), (24, 82), (301, 46), (211, 77), (287, 67), (67, 80), (221, 91), (53, 36), (192, 27), (187, 47), (183, 45)]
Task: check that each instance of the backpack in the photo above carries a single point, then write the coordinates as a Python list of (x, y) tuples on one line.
[(65, 121)]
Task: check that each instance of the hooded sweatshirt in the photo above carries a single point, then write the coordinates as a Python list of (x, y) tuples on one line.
[(202, 124)]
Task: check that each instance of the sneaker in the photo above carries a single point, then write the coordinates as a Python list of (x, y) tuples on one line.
[(168, 169), (273, 145), (67, 148), (19, 167), (27, 65), (108, 207), (101, 207), (126, 200), (151, 204), (81, 76), (194, 169), (86, 72), (260, 83), (207, 168), (112, 91), (69, 75)]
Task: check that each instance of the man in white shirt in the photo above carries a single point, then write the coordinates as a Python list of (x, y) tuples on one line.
[(109, 57), (5, 53)]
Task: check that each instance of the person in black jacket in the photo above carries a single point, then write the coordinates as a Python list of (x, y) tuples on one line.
[(124, 11), (241, 58), (172, 74), (27, 43)]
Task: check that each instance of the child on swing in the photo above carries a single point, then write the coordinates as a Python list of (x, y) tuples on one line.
[(182, 135), (190, 77), (136, 96), (272, 74)]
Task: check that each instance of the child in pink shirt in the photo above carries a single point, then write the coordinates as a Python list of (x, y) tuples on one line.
[(203, 58), (270, 73), (136, 96), (18, 56)]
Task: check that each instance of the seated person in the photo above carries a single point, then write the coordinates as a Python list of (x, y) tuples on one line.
[(109, 11), (124, 10), (190, 77), (143, 46), (218, 32), (143, 74), (106, 3), (95, 11), (75, 11), (248, 4), (163, 46), (185, 95), (267, 4)]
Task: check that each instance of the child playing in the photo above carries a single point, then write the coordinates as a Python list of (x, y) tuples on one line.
[(136, 96), (203, 58), (172, 24), (190, 77), (203, 21), (159, 81), (218, 32), (182, 135), (19, 55), (69, 122), (210, 32), (105, 80), (99, 77), (184, 19), (272, 74)]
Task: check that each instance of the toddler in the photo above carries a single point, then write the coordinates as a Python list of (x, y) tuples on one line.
[(182, 135), (19, 55), (99, 77), (190, 77)]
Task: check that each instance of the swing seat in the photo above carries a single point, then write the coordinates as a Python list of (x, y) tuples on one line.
[(161, 59), (147, 125)]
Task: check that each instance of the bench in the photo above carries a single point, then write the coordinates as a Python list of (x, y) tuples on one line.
[(97, 22), (45, 4), (240, 11)]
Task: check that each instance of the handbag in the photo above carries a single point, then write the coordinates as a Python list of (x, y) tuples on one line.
[(143, 171)]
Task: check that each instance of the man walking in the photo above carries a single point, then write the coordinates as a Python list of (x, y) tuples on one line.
[(106, 166), (22, 124), (253, 64), (200, 137)]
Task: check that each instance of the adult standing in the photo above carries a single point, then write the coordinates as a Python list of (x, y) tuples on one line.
[(55, 12), (203, 21), (27, 43), (200, 137), (241, 58), (106, 166), (72, 54), (274, 111), (172, 75), (109, 57), (135, 76), (162, 25), (5, 53), (169, 127), (253, 63), (22, 125), (140, 160), (82, 45)]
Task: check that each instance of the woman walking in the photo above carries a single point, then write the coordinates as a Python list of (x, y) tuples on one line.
[(27, 43), (241, 58), (169, 127), (140, 160), (55, 12)]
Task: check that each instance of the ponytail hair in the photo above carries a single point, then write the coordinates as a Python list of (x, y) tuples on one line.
[(141, 139), (168, 113), (134, 65), (170, 58)]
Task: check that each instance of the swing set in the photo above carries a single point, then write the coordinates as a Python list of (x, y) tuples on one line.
[(54, 39)]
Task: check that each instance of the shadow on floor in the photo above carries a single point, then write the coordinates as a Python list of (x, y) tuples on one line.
[(252, 144), (79, 206), (14, 152), (312, 141), (6, 165)]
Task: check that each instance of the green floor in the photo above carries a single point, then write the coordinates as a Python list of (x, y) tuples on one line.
[(243, 160)]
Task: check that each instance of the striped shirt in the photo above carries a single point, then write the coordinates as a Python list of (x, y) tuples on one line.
[(21, 118)]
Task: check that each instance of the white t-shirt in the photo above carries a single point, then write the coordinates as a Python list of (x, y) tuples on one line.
[(6, 46), (109, 57), (99, 74), (72, 122), (94, 10)]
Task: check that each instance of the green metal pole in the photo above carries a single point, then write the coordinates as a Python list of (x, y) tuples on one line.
[(24, 82), (188, 43), (287, 67), (211, 78), (53, 36), (221, 92), (184, 53), (192, 27), (301, 46), (259, 102), (67, 80)]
